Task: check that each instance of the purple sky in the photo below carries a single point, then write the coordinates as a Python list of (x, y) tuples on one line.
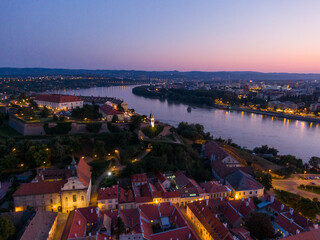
[(208, 35)]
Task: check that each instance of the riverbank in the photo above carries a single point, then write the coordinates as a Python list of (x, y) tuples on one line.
[(268, 113)]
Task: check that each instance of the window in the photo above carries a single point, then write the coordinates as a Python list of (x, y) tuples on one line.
[(73, 187), (250, 192), (66, 199), (82, 198), (110, 206), (110, 201), (74, 198)]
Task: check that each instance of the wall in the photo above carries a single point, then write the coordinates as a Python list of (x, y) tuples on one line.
[(37, 128)]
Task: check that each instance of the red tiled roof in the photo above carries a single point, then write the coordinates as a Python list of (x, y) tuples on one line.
[(232, 215), (84, 172), (208, 219), (245, 206), (40, 225), (214, 187), (139, 178), (125, 196), (290, 226), (72, 227), (57, 98), (212, 148), (39, 188), (108, 193), (178, 233), (242, 233), (108, 110), (313, 234), (161, 177), (172, 194)]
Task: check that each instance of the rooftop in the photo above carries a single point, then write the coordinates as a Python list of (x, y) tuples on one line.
[(57, 98)]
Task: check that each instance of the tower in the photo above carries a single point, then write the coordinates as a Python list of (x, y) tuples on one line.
[(151, 120)]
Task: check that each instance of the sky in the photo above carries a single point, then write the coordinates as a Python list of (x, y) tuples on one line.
[(184, 35)]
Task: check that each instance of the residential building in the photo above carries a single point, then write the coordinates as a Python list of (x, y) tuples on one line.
[(108, 198), (243, 185), (109, 112), (216, 189), (58, 101), (42, 226), (206, 222)]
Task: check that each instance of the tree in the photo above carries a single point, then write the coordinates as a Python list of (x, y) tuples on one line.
[(314, 162), (7, 228), (73, 145), (57, 150), (37, 155), (99, 149), (45, 112), (260, 226), (120, 226), (135, 122), (33, 104), (265, 179)]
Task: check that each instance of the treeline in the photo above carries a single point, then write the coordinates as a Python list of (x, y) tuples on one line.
[(199, 96)]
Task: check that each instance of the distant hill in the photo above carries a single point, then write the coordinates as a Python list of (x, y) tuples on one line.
[(145, 75)]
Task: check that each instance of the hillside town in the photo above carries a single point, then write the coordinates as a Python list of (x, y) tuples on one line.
[(98, 195)]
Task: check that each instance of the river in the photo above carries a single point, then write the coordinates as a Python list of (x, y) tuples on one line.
[(249, 130)]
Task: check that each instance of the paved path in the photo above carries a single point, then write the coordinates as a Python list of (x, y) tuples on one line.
[(95, 186), (291, 185)]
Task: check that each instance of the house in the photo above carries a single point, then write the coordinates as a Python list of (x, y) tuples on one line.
[(108, 198), (243, 185), (87, 223), (63, 191), (162, 221), (214, 152), (116, 103), (58, 101), (189, 189), (206, 222), (42, 226), (163, 180), (108, 113), (215, 189), (126, 199), (139, 179)]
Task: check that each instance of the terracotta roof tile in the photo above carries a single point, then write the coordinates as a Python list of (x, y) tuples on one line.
[(108, 110), (39, 188), (57, 98)]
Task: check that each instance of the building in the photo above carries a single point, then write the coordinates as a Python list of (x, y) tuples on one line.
[(108, 113), (41, 227), (215, 189), (162, 221), (243, 185), (108, 198), (189, 189), (58, 101), (206, 222), (312, 234), (117, 104), (56, 190), (215, 153)]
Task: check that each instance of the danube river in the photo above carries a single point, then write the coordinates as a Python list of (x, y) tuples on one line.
[(294, 137)]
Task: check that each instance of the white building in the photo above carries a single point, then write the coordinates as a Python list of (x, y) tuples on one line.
[(58, 101)]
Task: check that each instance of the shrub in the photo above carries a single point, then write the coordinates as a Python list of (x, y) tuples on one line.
[(60, 129)]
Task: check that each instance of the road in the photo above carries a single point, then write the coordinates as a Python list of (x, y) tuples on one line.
[(291, 185), (116, 170)]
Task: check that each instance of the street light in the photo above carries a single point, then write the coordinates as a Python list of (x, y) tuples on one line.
[(109, 173)]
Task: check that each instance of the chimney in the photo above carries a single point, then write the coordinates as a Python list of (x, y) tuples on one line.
[(91, 210), (315, 226), (282, 207), (247, 203), (75, 235), (189, 235), (242, 199), (79, 223), (89, 234), (207, 202), (249, 199), (291, 211), (297, 231), (272, 199)]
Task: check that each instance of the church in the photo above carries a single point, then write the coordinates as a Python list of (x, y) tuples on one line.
[(57, 190)]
